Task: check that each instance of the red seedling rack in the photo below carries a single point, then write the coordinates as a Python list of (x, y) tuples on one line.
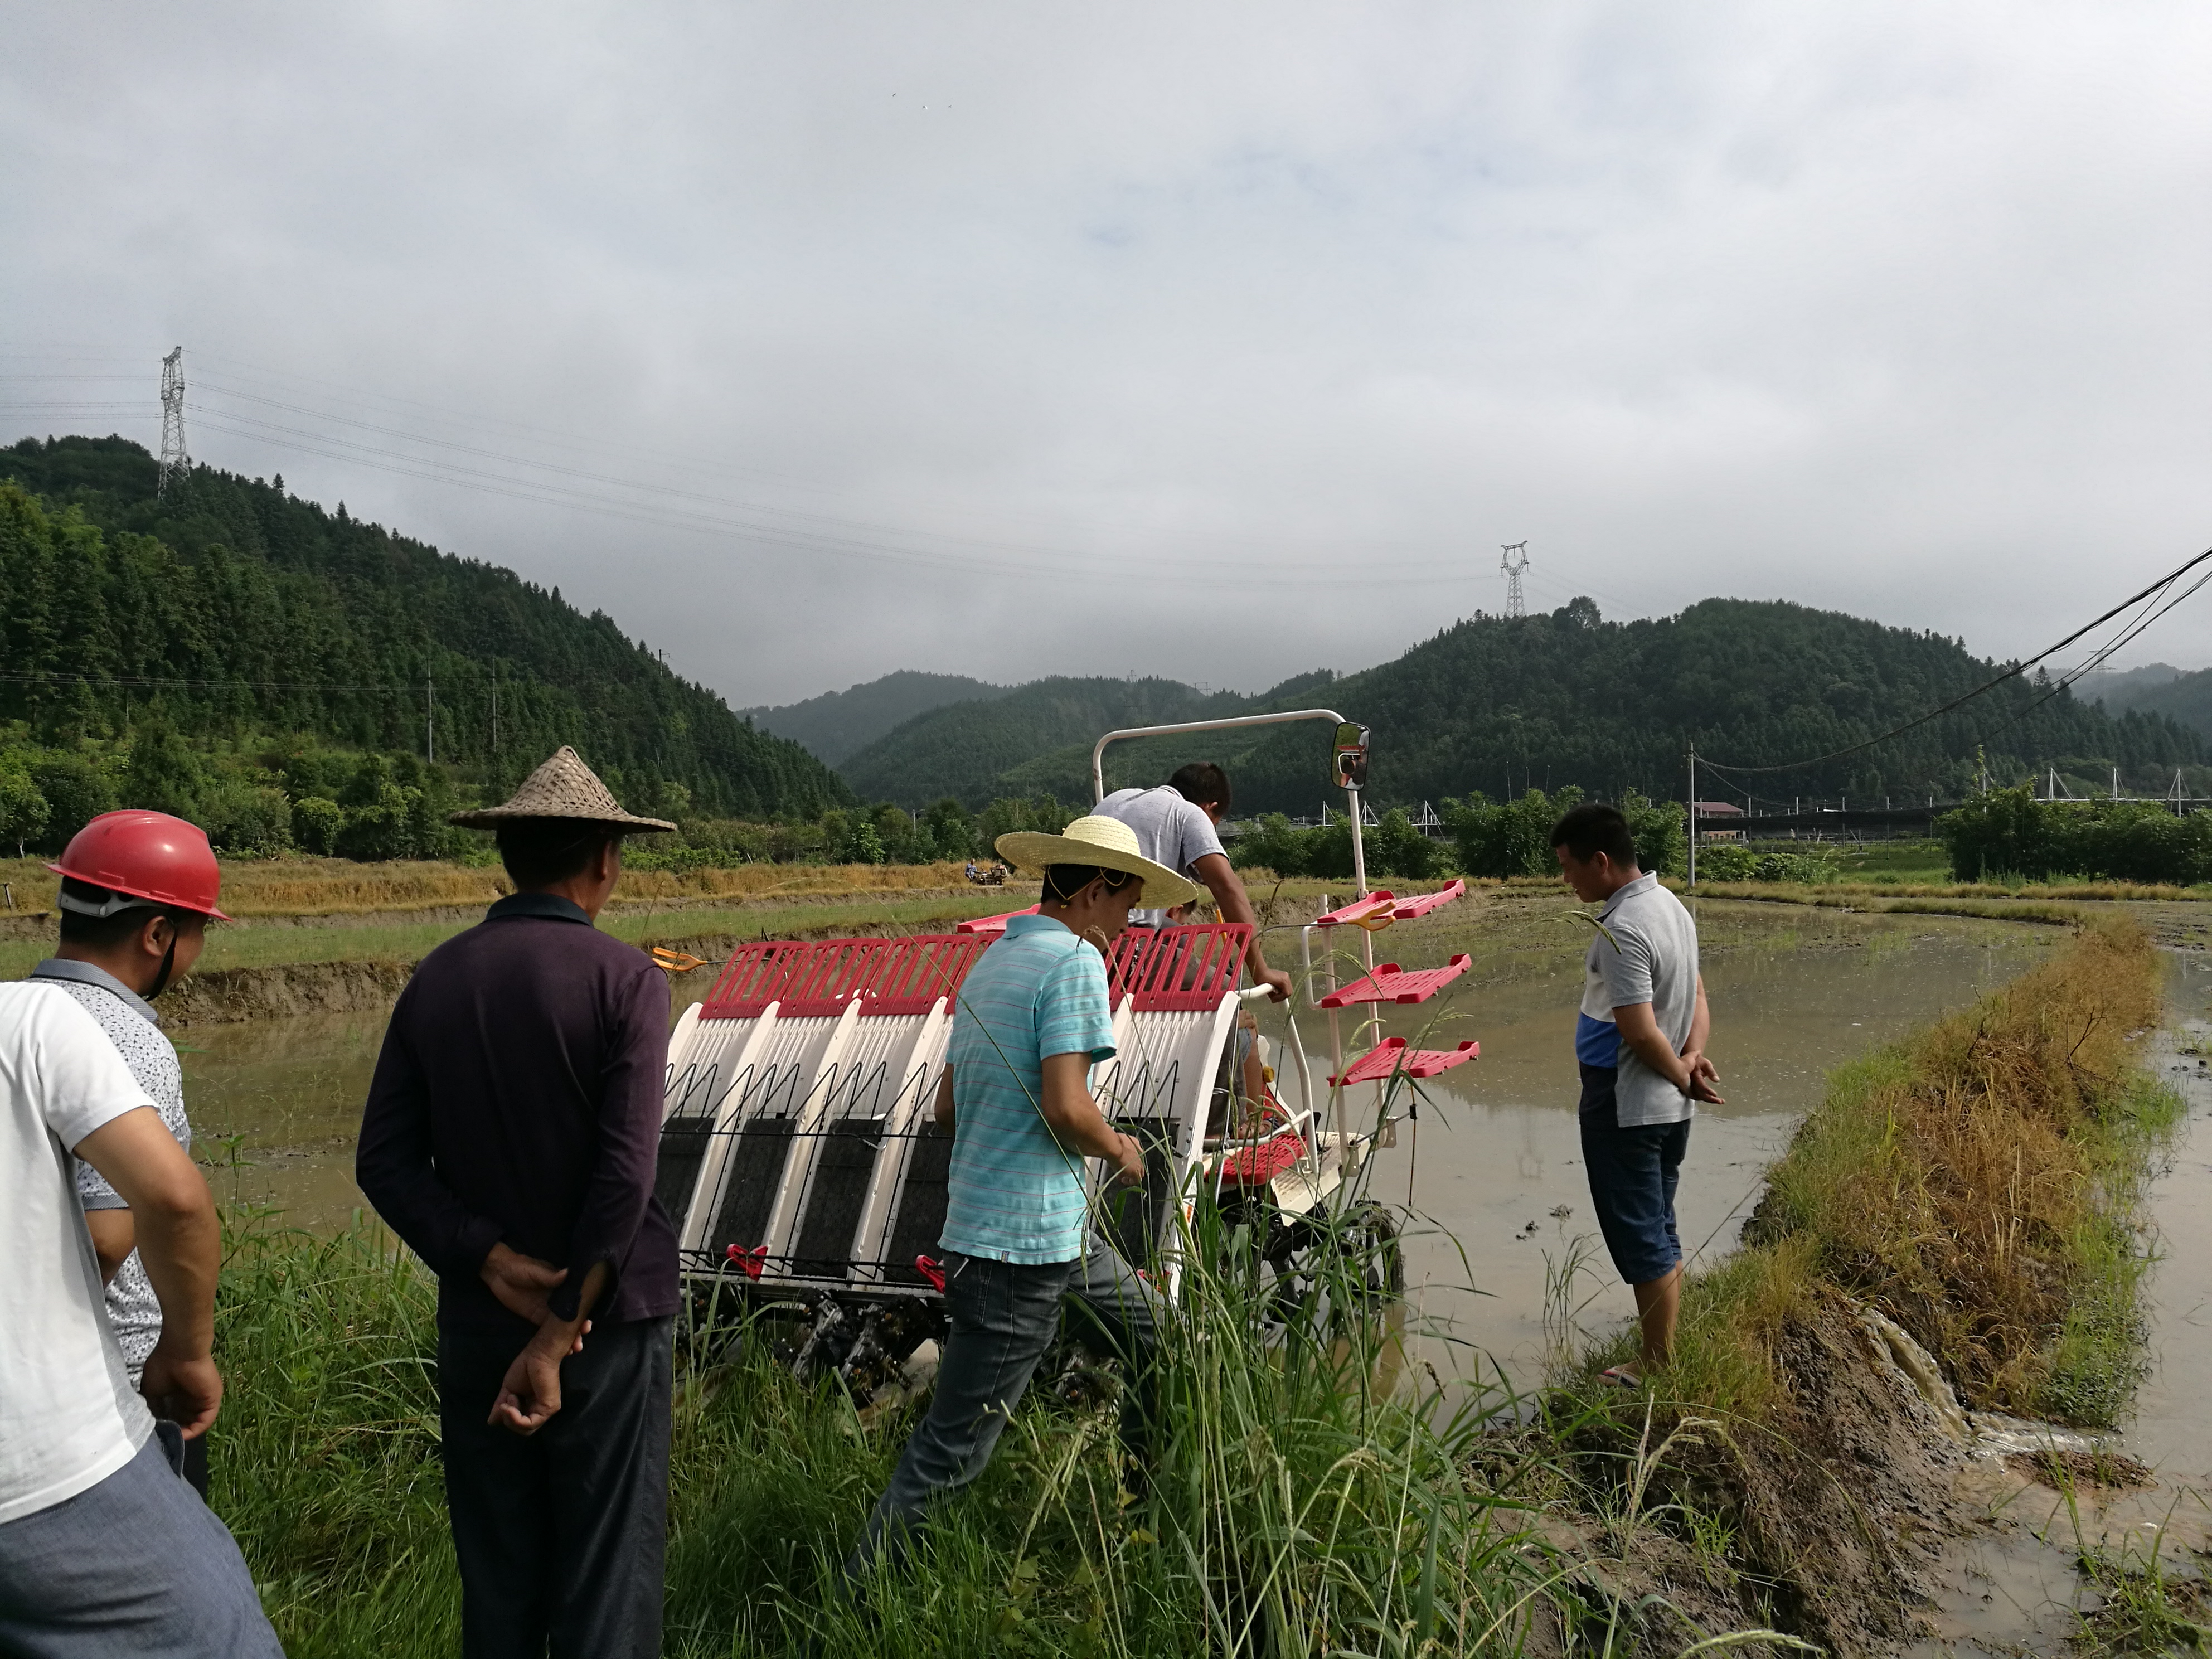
[(1177, 970), (1391, 983), (1394, 1059)]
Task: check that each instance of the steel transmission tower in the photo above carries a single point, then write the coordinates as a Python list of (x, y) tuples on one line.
[(174, 461), (1515, 605)]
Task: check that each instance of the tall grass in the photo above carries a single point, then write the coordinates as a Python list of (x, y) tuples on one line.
[(1300, 1502)]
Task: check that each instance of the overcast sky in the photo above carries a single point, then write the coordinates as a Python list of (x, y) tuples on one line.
[(817, 340)]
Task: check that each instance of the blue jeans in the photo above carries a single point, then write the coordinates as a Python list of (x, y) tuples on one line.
[(1633, 1173), (136, 1564), (1005, 1315)]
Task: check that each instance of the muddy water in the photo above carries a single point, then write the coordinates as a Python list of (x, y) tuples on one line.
[(1495, 1164)]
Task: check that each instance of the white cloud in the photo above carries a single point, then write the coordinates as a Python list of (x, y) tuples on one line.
[(1897, 309)]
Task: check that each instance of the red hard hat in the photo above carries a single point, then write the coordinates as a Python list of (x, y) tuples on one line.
[(147, 855)]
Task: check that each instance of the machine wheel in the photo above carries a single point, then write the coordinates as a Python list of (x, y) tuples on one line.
[(1330, 1273)]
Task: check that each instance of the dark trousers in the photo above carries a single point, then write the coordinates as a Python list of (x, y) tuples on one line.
[(1004, 1315), (560, 1536)]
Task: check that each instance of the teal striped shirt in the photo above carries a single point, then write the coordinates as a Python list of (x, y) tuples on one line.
[(1015, 1194)]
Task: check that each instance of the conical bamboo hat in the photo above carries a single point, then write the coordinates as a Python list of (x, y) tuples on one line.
[(563, 787)]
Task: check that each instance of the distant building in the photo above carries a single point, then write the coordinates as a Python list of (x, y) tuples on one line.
[(1712, 826)]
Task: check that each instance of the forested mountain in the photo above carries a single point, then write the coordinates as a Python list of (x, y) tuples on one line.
[(838, 723), (1495, 704), (242, 611), (970, 750), (2186, 698)]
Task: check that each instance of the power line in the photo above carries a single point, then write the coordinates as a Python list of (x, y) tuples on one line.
[(2152, 613)]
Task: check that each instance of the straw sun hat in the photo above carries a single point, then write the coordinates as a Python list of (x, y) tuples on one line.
[(563, 787), (1106, 842)]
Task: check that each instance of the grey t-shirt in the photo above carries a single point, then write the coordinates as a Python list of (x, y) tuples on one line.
[(1646, 951), (1170, 830), (133, 1310)]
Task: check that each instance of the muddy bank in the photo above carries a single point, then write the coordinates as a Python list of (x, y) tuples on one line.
[(1827, 1522)]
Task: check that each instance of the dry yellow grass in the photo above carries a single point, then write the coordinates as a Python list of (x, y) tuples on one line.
[(1975, 1180), (333, 887)]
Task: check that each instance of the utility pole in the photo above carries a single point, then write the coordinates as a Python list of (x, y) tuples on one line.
[(1693, 815), (431, 686), (494, 717), (174, 463), (1515, 605)]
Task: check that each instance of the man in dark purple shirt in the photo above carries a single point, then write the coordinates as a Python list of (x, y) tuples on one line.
[(510, 1139)]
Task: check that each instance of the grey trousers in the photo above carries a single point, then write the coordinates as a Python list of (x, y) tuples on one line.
[(560, 1536), (136, 1564), (1005, 1316)]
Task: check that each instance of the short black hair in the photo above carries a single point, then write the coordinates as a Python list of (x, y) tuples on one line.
[(1594, 828), (1202, 784), (1063, 882), (105, 933), (538, 852)]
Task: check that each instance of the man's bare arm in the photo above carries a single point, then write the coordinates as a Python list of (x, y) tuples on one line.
[(181, 1246), (1234, 904), (529, 1392), (1075, 1119)]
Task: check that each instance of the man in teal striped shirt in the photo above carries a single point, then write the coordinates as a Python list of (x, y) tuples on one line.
[(1032, 1019)]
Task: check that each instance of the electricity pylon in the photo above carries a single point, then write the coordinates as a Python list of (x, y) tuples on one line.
[(1515, 605), (174, 462)]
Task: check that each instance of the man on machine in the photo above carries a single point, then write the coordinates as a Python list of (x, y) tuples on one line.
[(1177, 824)]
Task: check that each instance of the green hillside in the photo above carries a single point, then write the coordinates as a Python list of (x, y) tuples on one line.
[(242, 618), (837, 724), (1033, 738), (1495, 705), (2186, 698)]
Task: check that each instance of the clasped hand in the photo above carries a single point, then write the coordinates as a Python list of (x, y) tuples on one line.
[(529, 1392)]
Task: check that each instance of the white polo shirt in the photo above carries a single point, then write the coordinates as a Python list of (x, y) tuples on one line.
[(69, 1417)]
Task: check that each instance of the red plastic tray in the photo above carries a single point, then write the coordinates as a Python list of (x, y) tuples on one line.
[(991, 924), (1391, 983), (1421, 903), (1394, 1059), (1378, 908), (1255, 1166)]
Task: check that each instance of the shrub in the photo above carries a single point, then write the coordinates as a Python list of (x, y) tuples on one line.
[(2009, 832), (239, 819), (316, 822), (23, 810), (77, 790)]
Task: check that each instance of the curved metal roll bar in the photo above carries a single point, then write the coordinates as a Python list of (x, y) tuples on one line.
[(1098, 763)]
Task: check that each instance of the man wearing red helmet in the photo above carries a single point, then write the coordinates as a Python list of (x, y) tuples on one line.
[(102, 1548), (123, 941)]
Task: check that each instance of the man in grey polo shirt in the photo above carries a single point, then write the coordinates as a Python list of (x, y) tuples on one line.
[(1640, 1042)]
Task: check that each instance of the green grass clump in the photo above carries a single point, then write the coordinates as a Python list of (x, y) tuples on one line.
[(1301, 1502)]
